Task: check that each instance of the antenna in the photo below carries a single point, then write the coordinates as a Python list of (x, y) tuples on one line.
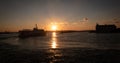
[(36, 26), (97, 24)]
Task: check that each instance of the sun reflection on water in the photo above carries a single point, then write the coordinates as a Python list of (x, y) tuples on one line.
[(54, 40), (53, 34), (54, 44)]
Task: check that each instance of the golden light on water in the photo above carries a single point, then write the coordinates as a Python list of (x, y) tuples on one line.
[(54, 40), (54, 44), (53, 34)]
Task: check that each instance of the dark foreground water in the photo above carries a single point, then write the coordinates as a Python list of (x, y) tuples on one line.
[(77, 47)]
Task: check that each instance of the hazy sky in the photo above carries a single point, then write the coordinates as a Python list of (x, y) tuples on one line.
[(66, 14)]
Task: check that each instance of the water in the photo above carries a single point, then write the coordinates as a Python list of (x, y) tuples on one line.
[(66, 40), (76, 47)]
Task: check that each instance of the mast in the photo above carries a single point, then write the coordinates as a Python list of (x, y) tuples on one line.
[(36, 26)]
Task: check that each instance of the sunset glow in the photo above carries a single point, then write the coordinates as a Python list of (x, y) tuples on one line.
[(57, 15), (53, 27)]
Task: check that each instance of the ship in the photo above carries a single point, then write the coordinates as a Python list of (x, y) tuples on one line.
[(31, 33)]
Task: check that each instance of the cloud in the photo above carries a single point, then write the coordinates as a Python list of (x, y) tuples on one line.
[(116, 20), (79, 21), (72, 22), (85, 19)]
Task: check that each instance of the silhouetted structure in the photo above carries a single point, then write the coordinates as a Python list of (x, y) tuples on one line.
[(6, 32), (106, 28), (31, 33)]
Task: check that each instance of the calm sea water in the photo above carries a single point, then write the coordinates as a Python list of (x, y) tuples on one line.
[(76, 47), (65, 40)]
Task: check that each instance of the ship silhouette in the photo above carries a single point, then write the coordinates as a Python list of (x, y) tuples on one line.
[(31, 33)]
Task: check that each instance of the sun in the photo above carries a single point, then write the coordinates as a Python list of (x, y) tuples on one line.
[(53, 27)]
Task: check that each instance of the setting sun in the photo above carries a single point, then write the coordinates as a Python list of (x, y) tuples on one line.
[(54, 27)]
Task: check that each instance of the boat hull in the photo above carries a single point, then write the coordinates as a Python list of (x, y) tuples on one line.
[(25, 34)]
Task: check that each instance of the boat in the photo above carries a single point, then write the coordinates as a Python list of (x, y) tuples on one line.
[(31, 33)]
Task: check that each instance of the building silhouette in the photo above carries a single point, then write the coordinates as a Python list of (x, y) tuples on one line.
[(106, 28)]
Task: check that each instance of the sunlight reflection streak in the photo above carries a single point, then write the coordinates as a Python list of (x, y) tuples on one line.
[(54, 42)]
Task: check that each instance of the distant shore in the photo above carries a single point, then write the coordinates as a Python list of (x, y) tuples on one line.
[(65, 31)]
